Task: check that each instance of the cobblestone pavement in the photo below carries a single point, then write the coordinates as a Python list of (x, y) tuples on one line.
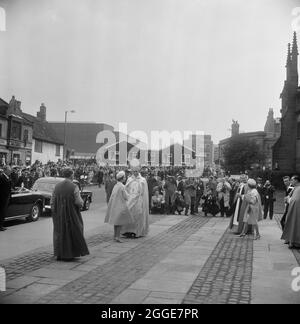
[(226, 276), (189, 260), (105, 282), (42, 257)]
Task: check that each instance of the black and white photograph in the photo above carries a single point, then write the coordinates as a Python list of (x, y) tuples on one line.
[(149, 154)]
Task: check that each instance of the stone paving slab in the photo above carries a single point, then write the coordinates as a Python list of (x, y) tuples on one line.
[(169, 280), (190, 260), (273, 263), (109, 280), (103, 252)]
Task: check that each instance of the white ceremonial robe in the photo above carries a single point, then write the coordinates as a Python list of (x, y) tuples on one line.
[(138, 204)]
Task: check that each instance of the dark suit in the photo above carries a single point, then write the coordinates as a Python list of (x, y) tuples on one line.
[(5, 192), (268, 195)]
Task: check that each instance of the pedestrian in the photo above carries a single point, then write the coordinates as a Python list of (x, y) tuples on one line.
[(288, 191), (170, 189), (152, 183), (199, 193), (118, 213), (5, 193), (157, 202), (260, 189), (291, 232), (109, 185), (68, 239), (268, 199), (236, 222), (138, 203), (210, 205), (253, 212), (223, 190), (100, 176)]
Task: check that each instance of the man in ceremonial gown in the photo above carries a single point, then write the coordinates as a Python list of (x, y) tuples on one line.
[(237, 219), (138, 203), (291, 232), (288, 192), (68, 239)]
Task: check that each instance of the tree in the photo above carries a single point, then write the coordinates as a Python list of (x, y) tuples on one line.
[(241, 153)]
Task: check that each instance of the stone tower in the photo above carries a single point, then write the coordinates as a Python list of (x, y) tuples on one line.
[(286, 151)]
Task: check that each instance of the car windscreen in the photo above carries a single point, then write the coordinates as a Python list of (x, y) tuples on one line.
[(44, 186)]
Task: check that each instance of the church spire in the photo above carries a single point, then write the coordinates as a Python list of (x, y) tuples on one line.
[(295, 52), (294, 62)]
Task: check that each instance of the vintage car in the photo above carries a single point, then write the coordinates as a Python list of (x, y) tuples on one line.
[(26, 204), (45, 186)]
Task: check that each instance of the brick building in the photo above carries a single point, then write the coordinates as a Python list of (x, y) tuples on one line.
[(286, 151), (15, 134), (264, 139)]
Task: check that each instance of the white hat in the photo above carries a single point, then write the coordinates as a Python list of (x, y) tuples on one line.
[(135, 165), (252, 182), (120, 175)]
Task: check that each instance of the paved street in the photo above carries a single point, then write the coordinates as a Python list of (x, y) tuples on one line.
[(185, 259)]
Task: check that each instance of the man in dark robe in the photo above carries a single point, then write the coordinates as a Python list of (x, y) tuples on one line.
[(5, 193), (68, 239)]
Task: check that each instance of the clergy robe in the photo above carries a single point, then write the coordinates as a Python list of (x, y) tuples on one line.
[(237, 219), (291, 232), (68, 239), (118, 212), (138, 204)]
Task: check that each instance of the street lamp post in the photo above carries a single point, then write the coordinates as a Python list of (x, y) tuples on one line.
[(65, 133)]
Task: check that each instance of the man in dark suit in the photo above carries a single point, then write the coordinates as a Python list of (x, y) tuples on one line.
[(268, 198), (5, 192)]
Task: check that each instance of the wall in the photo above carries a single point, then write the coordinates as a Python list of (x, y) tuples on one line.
[(48, 154)]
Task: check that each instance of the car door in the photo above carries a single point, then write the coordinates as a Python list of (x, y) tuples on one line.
[(20, 204)]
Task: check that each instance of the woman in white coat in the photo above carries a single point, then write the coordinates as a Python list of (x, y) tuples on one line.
[(253, 213), (118, 213)]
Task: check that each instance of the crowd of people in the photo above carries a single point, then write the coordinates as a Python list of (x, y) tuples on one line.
[(134, 192)]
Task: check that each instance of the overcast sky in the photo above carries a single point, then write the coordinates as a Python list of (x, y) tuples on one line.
[(156, 64)]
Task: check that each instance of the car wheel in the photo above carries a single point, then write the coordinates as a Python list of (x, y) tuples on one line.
[(87, 204), (34, 213)]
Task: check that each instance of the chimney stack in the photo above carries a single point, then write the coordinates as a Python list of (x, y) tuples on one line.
[(14, 107), (42, 114), (235, 128)]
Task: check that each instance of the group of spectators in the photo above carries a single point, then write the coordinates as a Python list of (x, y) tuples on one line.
[(171, 191), (25, 176)]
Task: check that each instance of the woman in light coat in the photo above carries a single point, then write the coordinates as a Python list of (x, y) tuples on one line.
[(118, 213), (253, 213)]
